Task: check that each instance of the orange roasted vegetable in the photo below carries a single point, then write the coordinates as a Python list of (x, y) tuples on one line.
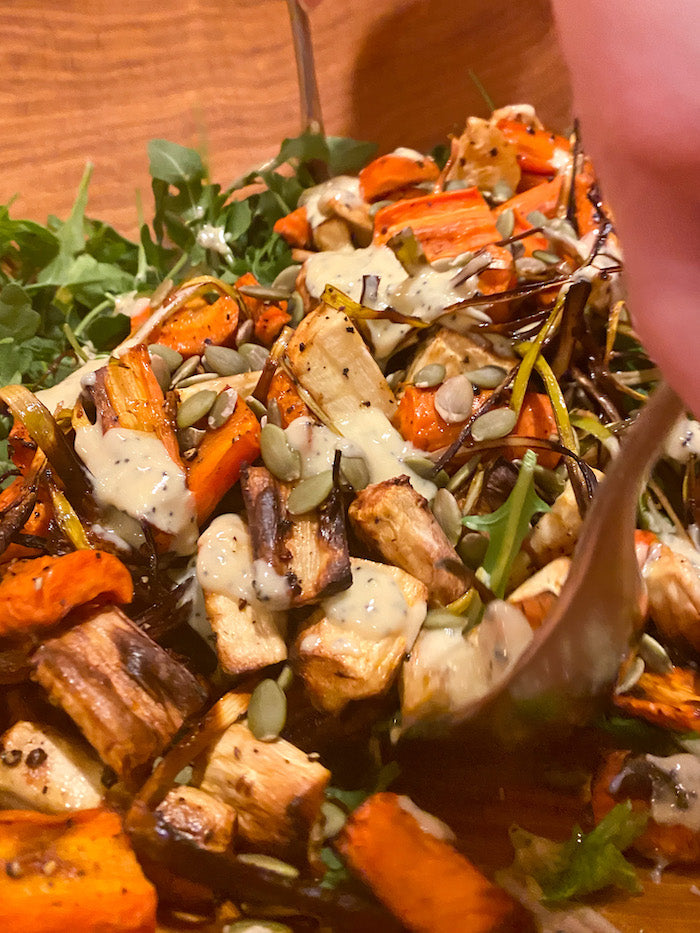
[(75, 872), (422, 879), (417, 420), (37, 522), (446, 224), (290, 403), (269, 319), (294, 228), (37, 594), (536, 419), (392, 172), (538, 151), (544, 197), (198, 323), (670, 700), (220, 456)]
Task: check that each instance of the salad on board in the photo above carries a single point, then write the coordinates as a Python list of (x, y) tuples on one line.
[(290, 483)]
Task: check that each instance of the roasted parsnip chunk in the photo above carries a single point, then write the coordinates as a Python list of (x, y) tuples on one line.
[(124, 692), (208, 821), (673, 588), (353, 644), (536, 596), (329, 359), (40, 769), (395, 521), (275, 788), (298, 559), (482, 156)]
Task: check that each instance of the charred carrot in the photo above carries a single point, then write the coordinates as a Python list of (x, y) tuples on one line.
[(290, 403), (294, 228), (418, 421), (393, 172), (670, 700), (446, 224), (39, 593), (21, 446), (536, 419), (74, 872), (198, 323), (220, 456), (422, 879), (537, 150)]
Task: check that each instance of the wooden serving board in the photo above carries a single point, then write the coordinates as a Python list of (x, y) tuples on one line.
[(95, 80)]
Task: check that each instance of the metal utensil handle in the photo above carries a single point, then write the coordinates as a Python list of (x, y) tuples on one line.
[(310, 101)]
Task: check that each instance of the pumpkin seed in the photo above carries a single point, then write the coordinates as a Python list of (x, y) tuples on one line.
[(254, 355), (264, 292), (530, 266), (310, 493), (245, 331), (224, 361), (161, 371), (222, 409), (188, 368), (448, 515), (184, 776), (295, 307), (172, 358), (501, 192), (463, 474), (194, 380), (443, 618), (537, 218), (195, 407), (334, 818), (551, 259), (429, 376), (267, 710), (256, 926), (395, 379), (473, 267), (285, 677), (441, 478), (487, 377), (355, 471), (423, 466), (634, 672), (506, 223), (472, 549), (283, 461), (274, 415), (269, 863), (287, 278), (190, 438), (495, 423), (654, 655), (454, 399), (256, 406)]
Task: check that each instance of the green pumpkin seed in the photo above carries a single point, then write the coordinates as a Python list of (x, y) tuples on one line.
[(355, 471), (537, 218), (395, 379), (441, 478), (188, 368), (283, 461), (501, 192), (506, 223), (634, 672), (487, 377), (161, 372), (245, 331), (254, 355), (448, 515), (195, 407), (443, 618), (528, 265), (310, 493), (454, 399), (267, 710), (287, 278), (472, 549), (551, 259), (194, 380), (429, 376), (422, 466), (334, 818), (222, 409), (285, 677), (184, 776), (264, 292), (269, 863), (295, 308), (274, 416), (654, 655), (172, 358), (475, 265), (190, 438), (464, 473), (256, 926), (256, 406), (224, 361), (493, 424)]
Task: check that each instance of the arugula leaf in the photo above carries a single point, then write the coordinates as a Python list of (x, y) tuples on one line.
[(586, 862), (508, 525), (17, 319), (174, 164)]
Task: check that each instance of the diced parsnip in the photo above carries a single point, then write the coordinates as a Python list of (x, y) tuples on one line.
[(40, 769), (673, 588), (275, 788), (303, 557), (482, 156), (248, 636), (459, 353), (206, 820), (536, 596), (242, 383), (124, 692), (74, 872), (331, 361), (352, 646), (394, 520)]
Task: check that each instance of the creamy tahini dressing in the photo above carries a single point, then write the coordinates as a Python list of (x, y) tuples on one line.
[(343, 188), (676, 800), (65, 394), (132, 471), (683, 442), (407, 153), (317, 445), (374, 606), (346, 269)]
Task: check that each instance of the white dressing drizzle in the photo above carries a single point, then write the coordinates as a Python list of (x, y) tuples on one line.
[(343, 188)]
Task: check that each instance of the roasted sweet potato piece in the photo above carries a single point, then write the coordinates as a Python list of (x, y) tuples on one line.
[(421, 878), (189, 329), (418, 421), (74, 872), (669, 700), (289, 401), (123, 691), (294, 228), (268, 318), (391, 172)]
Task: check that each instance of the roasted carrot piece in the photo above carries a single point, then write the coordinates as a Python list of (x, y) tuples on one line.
[(446, 224), (426, 883), (536, 419), (37, 594), (295, 228), (269, 319), (538, 150), (587, 216), (75, 872), (417, 420), (670, 700), (22, 448), (289, 402), (391, 172), (543, 197), (220, 456), (189, 329), (36, 524)]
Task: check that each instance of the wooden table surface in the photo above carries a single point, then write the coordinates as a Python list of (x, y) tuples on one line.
[(92, 79)]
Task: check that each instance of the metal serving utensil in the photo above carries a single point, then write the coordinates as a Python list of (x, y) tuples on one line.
[(575, 656), (310, 100)]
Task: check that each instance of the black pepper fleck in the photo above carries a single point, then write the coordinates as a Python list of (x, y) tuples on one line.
[(12, 757), (36, 758)]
